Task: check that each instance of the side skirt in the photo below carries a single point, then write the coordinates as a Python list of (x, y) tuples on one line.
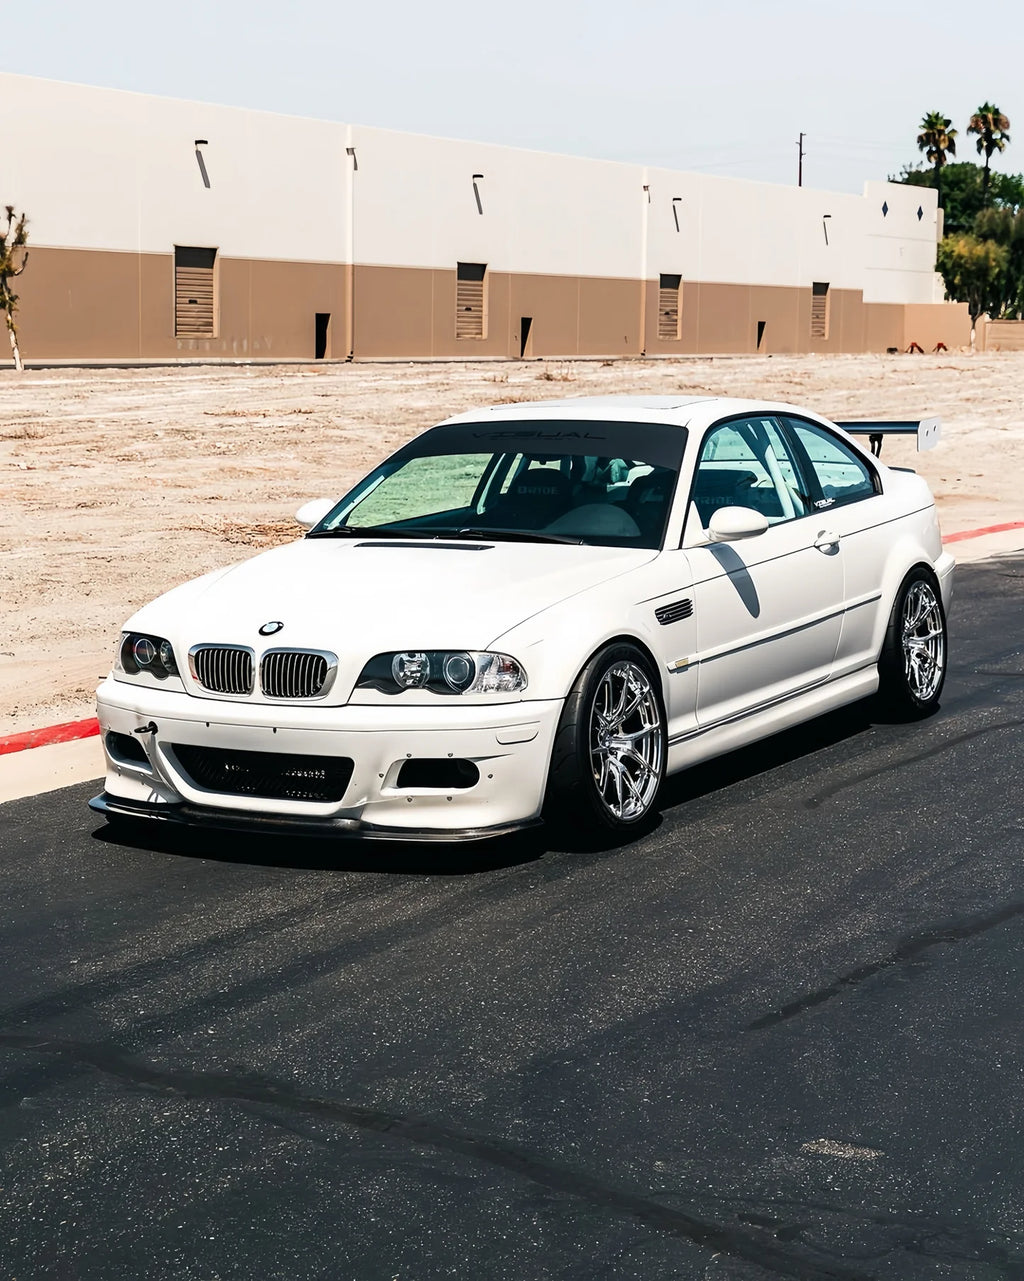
[(759, 723)]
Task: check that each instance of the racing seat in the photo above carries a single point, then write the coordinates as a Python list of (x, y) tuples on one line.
[(535, 498), (647, 501), (731, 487)]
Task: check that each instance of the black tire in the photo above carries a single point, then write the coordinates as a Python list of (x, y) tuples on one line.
[(912, 664), (585, 751)]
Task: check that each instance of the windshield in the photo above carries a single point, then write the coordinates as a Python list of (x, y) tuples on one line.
[(603, 483)]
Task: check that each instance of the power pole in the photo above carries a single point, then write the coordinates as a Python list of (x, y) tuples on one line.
[(800, 166)]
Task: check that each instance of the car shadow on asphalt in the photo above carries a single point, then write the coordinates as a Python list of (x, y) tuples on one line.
[(746, 763), (325, 853), (529, 846)]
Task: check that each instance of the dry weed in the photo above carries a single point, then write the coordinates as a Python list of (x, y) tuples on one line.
[(267, 533), (559, 374), (22, 431)]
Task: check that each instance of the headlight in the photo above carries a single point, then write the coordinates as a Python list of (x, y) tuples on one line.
[(444, 672), (141, 653)]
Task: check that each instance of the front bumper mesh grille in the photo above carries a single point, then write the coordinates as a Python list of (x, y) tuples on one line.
[(274, 776), (291, 673), (222, 669)]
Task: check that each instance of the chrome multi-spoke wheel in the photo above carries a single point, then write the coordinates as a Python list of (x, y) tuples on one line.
[(924, 641), (609, 754), (626, 741), (912, 666)]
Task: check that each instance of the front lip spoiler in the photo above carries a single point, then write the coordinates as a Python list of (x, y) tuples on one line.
[(184, 815)]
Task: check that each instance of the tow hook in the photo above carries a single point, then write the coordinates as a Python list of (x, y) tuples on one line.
[(151, 728)]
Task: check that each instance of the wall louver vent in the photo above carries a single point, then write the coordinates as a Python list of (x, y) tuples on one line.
[(669, 287), (470, 300), (819, 310), (193, 292)]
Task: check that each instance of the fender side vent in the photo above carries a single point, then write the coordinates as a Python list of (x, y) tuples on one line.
[(666, 614)]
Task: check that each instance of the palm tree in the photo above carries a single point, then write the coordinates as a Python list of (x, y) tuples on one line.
[(937, 141), (989, 123)]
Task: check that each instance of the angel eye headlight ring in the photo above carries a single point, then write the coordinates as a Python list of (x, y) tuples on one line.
[(455, 671), (143, 652)]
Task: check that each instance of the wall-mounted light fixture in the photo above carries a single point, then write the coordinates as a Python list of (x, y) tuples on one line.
[(198, 143), (647, 192), (824, 225), (351, 151), (676, 202), (478, 177)]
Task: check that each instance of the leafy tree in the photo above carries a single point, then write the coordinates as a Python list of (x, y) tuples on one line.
[(13, 257), (973, 272), (963, 191), (1004, 227), (938, 141), (991, 126)]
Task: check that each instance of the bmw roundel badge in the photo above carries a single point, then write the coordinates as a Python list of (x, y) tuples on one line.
[(271, 629)]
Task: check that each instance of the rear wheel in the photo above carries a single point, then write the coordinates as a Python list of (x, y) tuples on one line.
[(609, 756), (912, 667)]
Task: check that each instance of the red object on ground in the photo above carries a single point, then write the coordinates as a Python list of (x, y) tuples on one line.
[(65, 733), (973, 533)]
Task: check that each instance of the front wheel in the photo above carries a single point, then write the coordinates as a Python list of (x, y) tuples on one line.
[(912, 666), (608, 761)]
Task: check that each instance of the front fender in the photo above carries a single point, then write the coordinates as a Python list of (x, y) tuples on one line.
[(557, 643)]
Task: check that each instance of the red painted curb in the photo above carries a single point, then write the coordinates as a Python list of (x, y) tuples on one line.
[(65, 733), (988, 529)]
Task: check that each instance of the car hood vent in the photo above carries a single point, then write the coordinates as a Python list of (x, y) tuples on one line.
[(436, 547), (666, 614)]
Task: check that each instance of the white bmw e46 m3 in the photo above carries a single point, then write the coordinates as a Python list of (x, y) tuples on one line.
[(535, 610)]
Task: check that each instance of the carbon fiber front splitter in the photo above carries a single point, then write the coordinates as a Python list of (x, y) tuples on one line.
[(184, 815)]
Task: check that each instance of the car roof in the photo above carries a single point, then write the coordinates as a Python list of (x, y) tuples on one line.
[(673, 410)]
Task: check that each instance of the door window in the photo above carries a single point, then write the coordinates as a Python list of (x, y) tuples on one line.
[(746, 462), (842, 476)]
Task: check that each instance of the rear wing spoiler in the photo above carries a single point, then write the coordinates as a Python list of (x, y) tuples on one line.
[(927, 431)]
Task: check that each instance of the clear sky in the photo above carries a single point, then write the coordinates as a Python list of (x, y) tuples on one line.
[(723, 87)]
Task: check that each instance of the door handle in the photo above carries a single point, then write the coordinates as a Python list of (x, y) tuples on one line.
[(826, 540)]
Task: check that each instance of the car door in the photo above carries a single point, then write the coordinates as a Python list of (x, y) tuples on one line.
[(847, 491), (768, 609)]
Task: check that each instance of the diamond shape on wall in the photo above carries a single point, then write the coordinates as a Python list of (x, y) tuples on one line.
[(885, 208), (920, 213)]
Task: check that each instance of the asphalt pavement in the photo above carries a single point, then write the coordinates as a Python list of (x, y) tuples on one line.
[(779, 1036)]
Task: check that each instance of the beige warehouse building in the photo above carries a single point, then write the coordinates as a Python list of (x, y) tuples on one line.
[(164, 230)]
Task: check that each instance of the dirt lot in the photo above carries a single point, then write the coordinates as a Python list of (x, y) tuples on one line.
[(118, 483)]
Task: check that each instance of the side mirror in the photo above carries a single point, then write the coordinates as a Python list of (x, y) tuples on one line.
[(313, 511), (730, 524)]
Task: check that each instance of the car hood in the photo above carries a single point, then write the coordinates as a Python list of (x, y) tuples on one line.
[(370, 596)]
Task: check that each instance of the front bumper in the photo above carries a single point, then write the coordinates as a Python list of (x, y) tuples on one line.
[(510, 744), (945, 566)]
